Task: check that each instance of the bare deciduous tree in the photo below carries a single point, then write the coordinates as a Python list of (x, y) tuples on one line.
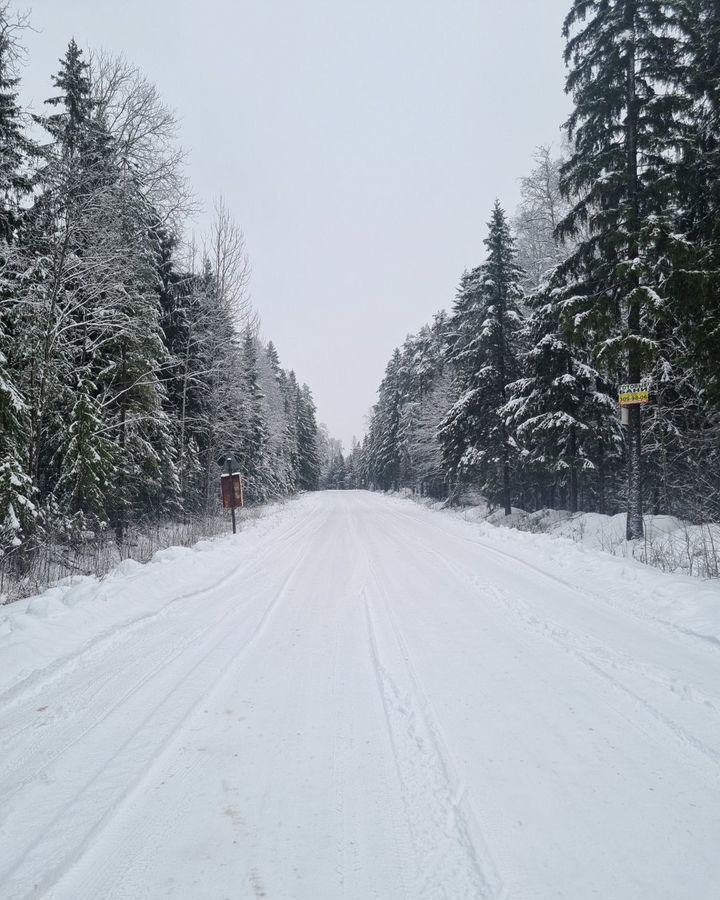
[(231, 267), (145, 132), (541, 209)]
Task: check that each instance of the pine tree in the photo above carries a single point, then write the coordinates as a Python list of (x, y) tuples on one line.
[(484, 329)]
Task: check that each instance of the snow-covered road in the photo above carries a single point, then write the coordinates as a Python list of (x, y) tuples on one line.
[(374, 701)]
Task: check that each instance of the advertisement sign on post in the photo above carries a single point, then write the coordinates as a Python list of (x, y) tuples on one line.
[(634, 394)]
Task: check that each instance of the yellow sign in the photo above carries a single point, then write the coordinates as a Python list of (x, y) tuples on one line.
[(634, 398)]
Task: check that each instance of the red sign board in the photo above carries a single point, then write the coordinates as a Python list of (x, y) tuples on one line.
[(232, 491)]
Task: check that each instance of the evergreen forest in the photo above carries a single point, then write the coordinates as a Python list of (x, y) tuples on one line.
[(608, 274), (130, 356)]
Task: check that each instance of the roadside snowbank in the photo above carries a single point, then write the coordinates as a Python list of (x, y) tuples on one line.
[(588, 552), (670, 544), (81, 611)]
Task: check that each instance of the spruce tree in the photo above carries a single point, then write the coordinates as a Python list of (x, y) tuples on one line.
[(87, 459), (254, 448), (291, 451), (18, 496), (563, 421), (63, 241), (307, 441), (122, 376), (385, 448), (485, 332), (624, 58), (696, 281), (15, 148), (273, 385), (70, 125)]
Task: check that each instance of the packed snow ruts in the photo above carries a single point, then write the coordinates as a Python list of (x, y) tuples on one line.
[(366, 698)]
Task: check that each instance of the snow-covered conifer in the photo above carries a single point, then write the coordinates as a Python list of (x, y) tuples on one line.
[(627, 120), (485, 332)]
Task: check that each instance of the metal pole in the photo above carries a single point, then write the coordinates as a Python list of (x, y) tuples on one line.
[(232, 493)]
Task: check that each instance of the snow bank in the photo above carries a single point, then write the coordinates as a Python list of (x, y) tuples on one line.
[(588, 552), (81, 611), (669, 543)]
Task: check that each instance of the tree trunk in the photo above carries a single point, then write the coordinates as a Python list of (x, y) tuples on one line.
[(36, 443), (122, 441), (506, 486), (634, 527), (573, 471), (182, 428)]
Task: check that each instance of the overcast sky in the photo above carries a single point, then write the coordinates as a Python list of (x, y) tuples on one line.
[(359, 143)]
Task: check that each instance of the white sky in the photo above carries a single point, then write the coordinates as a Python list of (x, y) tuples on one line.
[(360, 144)]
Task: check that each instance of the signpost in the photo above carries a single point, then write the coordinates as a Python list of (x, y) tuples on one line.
[(231, 485)]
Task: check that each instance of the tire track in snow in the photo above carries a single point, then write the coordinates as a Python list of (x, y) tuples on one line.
[(613, 658), (45, 738), (44, 735), (599, 661), (90, 879), (401, 851), (37, 681), (449, 861), (85, 802), (677, 631)]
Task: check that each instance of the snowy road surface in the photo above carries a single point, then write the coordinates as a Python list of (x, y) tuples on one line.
[(373, 701)]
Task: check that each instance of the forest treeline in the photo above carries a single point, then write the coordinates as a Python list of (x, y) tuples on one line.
[(129, 361), (608, 274)]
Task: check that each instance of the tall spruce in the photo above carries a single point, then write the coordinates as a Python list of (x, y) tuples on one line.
[(18, 501), (384, 437), (485, 332), (16, 148), (624, 59), (307, 441), (254, 447), (696, 280), (564, 422)]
